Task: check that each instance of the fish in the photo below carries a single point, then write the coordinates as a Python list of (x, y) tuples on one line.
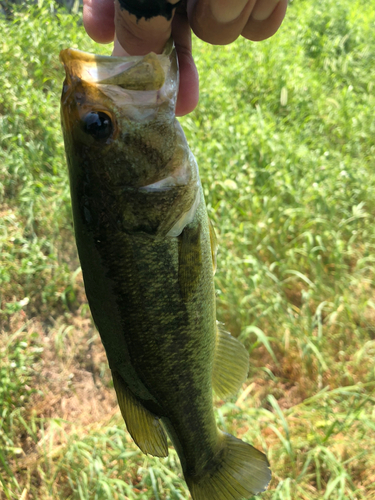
[(148, 256)]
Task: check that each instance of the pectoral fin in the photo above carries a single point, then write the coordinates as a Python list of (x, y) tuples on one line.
[(190, 260), (231, 364), (213, 241), (143, 426), (185, 218)]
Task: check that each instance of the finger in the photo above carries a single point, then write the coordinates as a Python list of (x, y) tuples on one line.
[(188, 93), (141, 36), (219, 21), (98, 20), (265, 19)]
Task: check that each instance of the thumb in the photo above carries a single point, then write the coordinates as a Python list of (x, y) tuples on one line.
[(142, 27)]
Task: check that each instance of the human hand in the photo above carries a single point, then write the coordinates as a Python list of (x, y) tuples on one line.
[(218, 22)]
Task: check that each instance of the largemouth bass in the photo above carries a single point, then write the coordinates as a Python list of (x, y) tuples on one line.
[(147, 252)]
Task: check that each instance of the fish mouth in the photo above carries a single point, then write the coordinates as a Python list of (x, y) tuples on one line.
[(145, 73)]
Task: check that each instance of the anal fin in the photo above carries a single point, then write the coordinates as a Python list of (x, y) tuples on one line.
[(231, 364), (144, 427)]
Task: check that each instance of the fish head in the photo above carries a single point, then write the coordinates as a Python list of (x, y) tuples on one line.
[(126, 151), (118, 114)]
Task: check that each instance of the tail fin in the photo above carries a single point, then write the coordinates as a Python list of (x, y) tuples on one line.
[(237, 471)]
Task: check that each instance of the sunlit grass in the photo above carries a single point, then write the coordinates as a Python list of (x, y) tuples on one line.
[(284, 137)]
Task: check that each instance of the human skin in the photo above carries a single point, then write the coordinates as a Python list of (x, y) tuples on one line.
[(218, 22)]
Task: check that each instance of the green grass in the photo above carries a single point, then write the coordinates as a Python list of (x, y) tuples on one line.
[(284, 137)]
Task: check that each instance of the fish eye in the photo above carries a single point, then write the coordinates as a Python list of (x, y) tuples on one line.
[(98, 125)]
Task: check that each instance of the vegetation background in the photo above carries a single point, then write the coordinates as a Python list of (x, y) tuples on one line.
[(284, 136)]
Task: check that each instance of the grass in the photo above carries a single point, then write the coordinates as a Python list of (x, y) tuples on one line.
[(283, 135)]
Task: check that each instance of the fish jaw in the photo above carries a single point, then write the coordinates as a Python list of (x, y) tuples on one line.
[(137, 85), (133, 72)]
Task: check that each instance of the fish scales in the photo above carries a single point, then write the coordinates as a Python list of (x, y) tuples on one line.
[(147, 254)]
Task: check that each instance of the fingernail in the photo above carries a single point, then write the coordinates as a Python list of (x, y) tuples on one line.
[(225, 12), (263, 9)]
